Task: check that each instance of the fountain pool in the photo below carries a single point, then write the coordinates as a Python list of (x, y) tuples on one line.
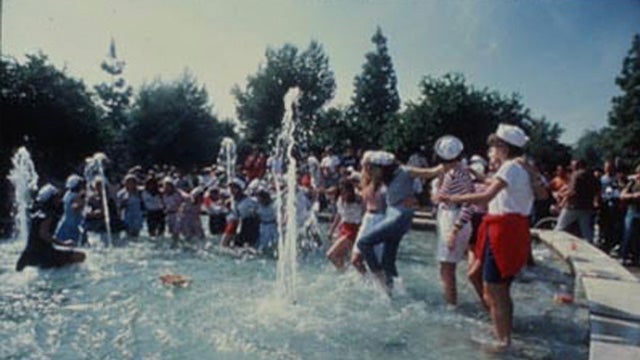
[(114, 307)]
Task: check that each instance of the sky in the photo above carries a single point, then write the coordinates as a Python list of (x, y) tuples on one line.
[(561, 56)]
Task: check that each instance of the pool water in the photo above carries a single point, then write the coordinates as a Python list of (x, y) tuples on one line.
[(115, 307)]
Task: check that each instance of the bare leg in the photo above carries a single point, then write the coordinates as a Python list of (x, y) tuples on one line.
[(475, 277), (500, 307), (448, 277), (338, 252)]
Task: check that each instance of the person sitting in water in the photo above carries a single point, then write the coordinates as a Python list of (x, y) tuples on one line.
[(454, 226), (243, 225), (40, 251), (130, 205), (503, 244), (347, 219), (73, 203), (400, 202)]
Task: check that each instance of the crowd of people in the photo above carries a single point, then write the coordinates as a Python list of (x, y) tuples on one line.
[(484, 209)]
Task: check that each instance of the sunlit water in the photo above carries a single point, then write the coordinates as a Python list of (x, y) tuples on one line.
[(114, 307)]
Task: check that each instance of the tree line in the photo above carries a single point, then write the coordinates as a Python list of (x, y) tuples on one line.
[(61, 120)]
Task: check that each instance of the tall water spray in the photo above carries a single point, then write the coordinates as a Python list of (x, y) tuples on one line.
[(94, 168), (24, 178), (288, 236), (227, 157)]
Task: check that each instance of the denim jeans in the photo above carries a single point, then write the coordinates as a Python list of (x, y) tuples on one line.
[(631, 238), (583, 217), (390, 230)]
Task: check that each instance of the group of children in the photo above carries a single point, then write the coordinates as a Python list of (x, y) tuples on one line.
[(373, 211)]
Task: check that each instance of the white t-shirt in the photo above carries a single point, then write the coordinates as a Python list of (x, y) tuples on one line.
[(350, 213), (517, 196)]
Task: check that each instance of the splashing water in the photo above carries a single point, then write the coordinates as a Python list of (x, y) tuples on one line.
[(24, 178), (94, 168), (227, 156), (288, 232)]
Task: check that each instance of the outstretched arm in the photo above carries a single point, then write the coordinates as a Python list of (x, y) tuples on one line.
[(485, 196), (425, 173)]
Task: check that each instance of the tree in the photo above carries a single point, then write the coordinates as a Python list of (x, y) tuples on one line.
[(173, 123), (49, 112), (448, 105), (114, 99), (624, 116), (375, 99), (260, 106)]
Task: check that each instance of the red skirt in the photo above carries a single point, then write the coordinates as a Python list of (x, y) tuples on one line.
[(510, 241)]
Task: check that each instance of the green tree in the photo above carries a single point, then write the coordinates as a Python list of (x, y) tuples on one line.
[(49, 112), (375, 100), (173, 123), (448, 105), (624, 116), (260, 106)]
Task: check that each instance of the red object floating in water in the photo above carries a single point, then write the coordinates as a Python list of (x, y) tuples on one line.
[(563, 298), (175, 280)]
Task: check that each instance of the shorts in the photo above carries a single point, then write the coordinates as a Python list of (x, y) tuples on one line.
[(490, 272), (349, 231), (446, 219)]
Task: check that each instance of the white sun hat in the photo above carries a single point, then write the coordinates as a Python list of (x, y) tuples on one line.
[(46, 192), (382, 158), (512, 134), (448, 147)]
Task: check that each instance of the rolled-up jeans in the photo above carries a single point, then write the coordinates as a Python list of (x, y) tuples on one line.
[(390, 230)]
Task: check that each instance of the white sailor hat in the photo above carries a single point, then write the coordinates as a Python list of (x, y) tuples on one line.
[(239, 182), (512, 134), (72, 181), (448, 147), (382, 158)]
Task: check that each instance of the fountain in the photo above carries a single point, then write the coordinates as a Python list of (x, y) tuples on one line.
[(24, 178), (94, 168), (227, 156), (288, 231)]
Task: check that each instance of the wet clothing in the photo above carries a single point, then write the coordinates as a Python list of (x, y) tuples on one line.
[(268, 226), (130, 204), (39, 252), (69, 226), (189, 220), (154, 212), (172, 203)]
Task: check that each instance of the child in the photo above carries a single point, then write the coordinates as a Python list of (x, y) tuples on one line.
[(130, 205), (373, 195), (454, 228), (347, 219), (152, 199), (172, 199), (242, 223), (73, 203), (268, 226), (189, 215), (40, 251)]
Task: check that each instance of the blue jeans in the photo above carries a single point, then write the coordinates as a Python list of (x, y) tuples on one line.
[(390, 230), (583, 217), (631, 238)]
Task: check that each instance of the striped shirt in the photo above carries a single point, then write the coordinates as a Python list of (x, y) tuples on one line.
[(458, 181)]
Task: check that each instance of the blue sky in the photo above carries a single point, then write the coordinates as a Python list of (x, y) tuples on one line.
[(561, 56)]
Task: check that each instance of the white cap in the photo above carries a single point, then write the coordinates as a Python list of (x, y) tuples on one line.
[(72, 181), (197, 191), (448, 147), (46, 192), (478, 167), (512, 134), (382, 158)]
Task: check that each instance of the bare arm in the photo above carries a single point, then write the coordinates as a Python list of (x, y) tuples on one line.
[(485, 196), (425, 173)]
